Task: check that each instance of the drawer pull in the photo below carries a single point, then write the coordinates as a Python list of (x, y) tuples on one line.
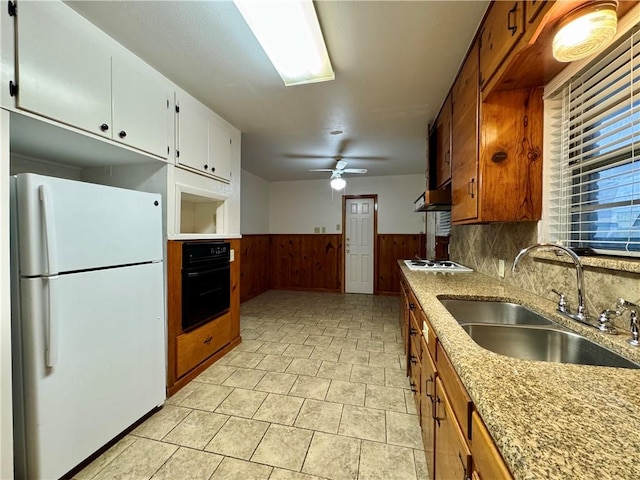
[(513, 28), (413, 387), (412, 306), (207, 340)]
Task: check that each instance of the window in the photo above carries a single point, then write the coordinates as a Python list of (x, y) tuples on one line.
[(595, 156)]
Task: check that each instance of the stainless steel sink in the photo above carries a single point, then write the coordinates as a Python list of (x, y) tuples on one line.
[(547, 344), (502, 313)]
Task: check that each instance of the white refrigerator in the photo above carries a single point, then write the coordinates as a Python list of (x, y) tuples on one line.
[(88, 318)]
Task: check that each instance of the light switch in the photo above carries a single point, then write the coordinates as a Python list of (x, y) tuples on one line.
[(324, 229), (232, 255), (316, 229)]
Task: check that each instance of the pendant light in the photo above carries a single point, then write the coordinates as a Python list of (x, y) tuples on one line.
[(338, 183), (585, 30)]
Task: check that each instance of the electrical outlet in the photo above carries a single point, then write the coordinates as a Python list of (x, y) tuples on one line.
[(232, 255), (324, 229), (316, 229), (337, 227), (501, 268)]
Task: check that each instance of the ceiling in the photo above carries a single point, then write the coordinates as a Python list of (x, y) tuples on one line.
[(394, 63)]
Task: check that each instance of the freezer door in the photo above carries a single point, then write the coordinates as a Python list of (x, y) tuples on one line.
[(110, 368), (65, 225)]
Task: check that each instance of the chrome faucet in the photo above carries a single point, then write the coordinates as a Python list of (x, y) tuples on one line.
[(582, 314)]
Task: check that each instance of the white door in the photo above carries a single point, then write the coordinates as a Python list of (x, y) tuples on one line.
[(359, 215), (140, 106), (64, 67)]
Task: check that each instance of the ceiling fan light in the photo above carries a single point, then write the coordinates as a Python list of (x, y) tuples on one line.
[(585, 30), (290, 35), (338, 183)]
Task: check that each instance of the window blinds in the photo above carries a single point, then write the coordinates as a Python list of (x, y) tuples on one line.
[(595, 154)]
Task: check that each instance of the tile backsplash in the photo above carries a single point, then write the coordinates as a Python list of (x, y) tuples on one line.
[(482, 246)]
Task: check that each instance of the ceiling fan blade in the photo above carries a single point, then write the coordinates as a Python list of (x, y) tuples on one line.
[(341, 164), (355, 170), (355, 157), (303, 155), (321, 170)]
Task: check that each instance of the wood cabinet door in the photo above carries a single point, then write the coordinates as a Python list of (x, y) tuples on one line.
[(531, 9), (63, 67), (464, 144), (501, 30), (141, 101), (452, 456), (427, 397), (443, 144), (487, 460)]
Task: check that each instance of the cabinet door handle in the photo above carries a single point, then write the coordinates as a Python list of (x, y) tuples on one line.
[(435, 411), (513, 28), (207, 340), (414, 359), (426, 387), (104, 127), (464, 467), (412, 331), (470, 188), (206, 167), (412, 306), (122, 134), (413, 387)]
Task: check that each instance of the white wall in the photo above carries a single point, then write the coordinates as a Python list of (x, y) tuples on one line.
[(299, 206), (255, 204)]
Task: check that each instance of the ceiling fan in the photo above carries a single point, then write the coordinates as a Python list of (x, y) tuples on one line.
[(337, 182)]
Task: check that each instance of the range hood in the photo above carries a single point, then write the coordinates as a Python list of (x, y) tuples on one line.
[(434, 201)]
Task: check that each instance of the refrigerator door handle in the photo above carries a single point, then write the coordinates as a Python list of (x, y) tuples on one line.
[(51, 344), (49, 230)]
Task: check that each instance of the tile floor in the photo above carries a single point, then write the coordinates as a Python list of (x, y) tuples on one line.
[(317, 389)]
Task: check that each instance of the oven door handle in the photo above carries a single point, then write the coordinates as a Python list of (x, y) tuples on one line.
[(207, 272)]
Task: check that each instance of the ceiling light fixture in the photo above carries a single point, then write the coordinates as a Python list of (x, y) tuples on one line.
[(290, 35), (338, 183), (585, 30)]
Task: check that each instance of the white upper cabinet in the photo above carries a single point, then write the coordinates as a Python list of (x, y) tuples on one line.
[(203, 141), (64, 68), (141, 103), (70, 71)]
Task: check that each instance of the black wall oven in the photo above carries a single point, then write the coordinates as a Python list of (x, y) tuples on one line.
[(206, 282)]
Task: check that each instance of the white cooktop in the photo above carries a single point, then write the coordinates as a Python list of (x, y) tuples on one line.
[(436, 266)]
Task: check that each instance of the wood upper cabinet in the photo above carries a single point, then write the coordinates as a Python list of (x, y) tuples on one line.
[(499, 34), (452, 456), (443, 144), (464, 140), (531, 10)]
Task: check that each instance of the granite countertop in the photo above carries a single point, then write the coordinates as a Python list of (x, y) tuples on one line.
[(549, 420)]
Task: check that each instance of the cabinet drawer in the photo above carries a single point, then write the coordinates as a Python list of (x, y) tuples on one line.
[(199, 344), (458, 396), (501, 31), (486, 458)]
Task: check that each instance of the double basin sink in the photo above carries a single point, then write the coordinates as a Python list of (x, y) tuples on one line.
[(515, 331)]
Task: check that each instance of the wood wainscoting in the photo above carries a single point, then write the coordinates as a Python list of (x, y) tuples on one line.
[(306, 262), (315, 262), (391, 248), (255, 266)]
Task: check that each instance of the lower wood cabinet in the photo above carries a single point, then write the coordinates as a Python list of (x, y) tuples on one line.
[(452, 455), (190, 353), (456, 442), (487, 462), (194, 347)]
